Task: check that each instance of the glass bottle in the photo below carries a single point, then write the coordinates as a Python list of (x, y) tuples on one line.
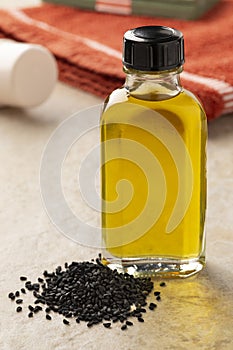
[(153, 174)]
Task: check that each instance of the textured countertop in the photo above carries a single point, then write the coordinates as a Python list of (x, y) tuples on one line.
[(195, 313)]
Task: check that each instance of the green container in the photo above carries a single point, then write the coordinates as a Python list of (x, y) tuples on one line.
[(182, 9), (86, 4)]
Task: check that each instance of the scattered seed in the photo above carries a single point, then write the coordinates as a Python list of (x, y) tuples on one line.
[(156, 293), (11, 296), (30, 315), (66, 321), (30, 307), (140, 319), (162, 284), (152, 306), (77, 320), (129, 323), (19, 301), (47, 309), (17, 294), (23, 278), (40, 280), (37, 309), (23, 290), (158, 298), (19, 309), (107, 325), (124, 327), (48, 317)]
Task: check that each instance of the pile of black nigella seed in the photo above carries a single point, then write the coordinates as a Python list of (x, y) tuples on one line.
[(89, 292)]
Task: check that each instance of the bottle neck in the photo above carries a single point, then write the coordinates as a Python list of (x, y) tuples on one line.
[(153, 86)]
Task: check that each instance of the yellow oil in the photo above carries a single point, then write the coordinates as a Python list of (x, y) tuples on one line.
[(126, 121)]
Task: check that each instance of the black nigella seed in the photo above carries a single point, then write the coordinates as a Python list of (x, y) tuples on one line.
[(107, 317), (19, 309), (90, 292), (28, 285), (36, 286), (37, 309), (17, 294), (107, 325), (121, 318), (158, 298), (48, 317), (30, 315), (35, 294), (140, 319), (162, 284), (152, 306), (124, 327), (144, 303), (156, 293), (19, 301), (142, 310), (23, 290), (23, 278), (11, 296)]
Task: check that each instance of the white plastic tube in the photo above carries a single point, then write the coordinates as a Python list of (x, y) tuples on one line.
[(28, 74)]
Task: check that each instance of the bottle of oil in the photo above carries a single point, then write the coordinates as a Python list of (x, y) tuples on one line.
[(153, 143)]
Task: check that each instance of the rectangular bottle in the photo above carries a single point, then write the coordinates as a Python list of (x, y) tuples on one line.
[(153, 141)]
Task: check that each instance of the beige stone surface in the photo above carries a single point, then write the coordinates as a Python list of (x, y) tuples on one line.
[(194, 314)]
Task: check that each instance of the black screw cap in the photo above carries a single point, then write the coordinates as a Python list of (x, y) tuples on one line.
[(153, 48)]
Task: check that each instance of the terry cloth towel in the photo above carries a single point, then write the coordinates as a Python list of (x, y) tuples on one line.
[(88, 46)]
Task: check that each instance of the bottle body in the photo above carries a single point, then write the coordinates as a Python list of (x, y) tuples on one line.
[(153, 140)]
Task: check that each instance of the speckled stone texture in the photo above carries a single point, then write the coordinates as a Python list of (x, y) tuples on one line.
[(193, 314)]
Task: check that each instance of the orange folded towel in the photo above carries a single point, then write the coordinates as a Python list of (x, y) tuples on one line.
[(87, 46)]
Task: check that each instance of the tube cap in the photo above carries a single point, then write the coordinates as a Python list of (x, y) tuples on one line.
[(28, 74), (153, 48)]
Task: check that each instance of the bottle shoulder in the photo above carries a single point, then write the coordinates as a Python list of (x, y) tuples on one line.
[(117, 96), (183, 111), (184, 98)]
